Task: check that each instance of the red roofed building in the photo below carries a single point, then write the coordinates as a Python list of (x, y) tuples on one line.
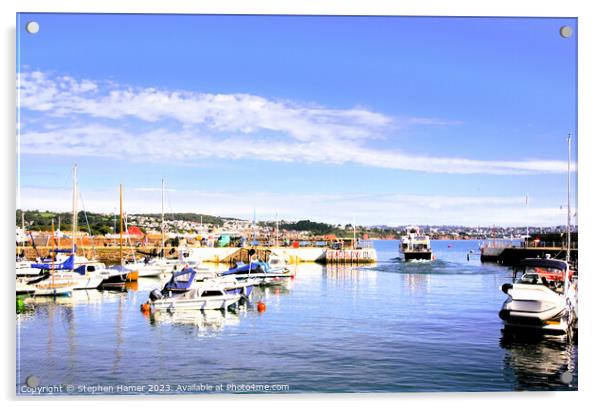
[(134, 231)]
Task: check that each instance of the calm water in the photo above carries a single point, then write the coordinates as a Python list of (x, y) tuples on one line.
[(393, 327)]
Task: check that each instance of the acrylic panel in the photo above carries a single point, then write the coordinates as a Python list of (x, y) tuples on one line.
[(295, 204)]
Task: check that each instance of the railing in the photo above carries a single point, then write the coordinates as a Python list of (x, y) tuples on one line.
[(555, 244)]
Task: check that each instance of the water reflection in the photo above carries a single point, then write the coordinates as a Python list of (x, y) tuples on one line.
[(539, 362), (261, 293), (417, 283), (351, 274), (202, 323), (78, 297)]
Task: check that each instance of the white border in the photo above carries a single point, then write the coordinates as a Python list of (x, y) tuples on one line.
[(590, 34)]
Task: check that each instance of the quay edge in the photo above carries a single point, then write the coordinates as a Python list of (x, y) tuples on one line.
[(229, 255)]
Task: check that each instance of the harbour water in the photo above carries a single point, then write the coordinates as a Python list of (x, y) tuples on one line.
[(391, 327)]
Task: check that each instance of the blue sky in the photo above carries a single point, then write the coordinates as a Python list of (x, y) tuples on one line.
[(387, 120)]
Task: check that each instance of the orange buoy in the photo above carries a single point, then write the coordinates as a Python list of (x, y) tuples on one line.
[(261, 306), (145, 308)]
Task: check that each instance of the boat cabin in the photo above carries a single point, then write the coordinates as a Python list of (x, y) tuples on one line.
[(548, 272)]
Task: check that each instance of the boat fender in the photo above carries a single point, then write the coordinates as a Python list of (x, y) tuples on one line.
[(506, 287), (155, 295)]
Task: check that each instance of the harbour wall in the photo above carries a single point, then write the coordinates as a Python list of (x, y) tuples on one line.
[(511, 256), (227, 255)]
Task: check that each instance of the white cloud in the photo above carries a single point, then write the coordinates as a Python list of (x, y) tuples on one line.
[(187, 146), (244, 113), (226, 126)]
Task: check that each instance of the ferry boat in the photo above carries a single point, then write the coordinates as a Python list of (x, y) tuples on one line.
[(542, 297), (415, 246)]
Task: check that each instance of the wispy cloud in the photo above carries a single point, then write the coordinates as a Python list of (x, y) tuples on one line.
[(231, 126)]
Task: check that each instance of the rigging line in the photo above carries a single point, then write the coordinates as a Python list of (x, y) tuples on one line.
[(81, 198), (114, 226), (173, 214), (129, 242)]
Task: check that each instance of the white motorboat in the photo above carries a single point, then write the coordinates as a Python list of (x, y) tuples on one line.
[(206, 297), (542, 297), (415, 246), (155, 267), (23, 269), (244, 287), (86, 276), (76, 280), (261, 271), (187, 279)]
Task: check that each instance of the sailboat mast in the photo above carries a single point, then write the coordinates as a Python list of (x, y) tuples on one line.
[(254, 227), (52, 258), (354, 232), (162, 220), (74, 220), (527, 206), (568, 218), (121, 223), (22, 232), (568, 201)]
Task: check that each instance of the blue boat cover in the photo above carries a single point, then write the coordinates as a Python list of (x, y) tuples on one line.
[(175, 284), (242, 268), (81, 269), (65, 265)]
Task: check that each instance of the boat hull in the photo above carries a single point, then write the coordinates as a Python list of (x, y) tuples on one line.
[(200, 303), (81, 282), (23, 288), (417, 255), (536, 308), (558, 325), (53, 291)]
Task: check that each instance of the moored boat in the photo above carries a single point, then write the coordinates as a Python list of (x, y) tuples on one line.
[(50, 291), (186, 279), (261, 271), (23, 268), (542, 297), (80, 278), (206, 297)]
